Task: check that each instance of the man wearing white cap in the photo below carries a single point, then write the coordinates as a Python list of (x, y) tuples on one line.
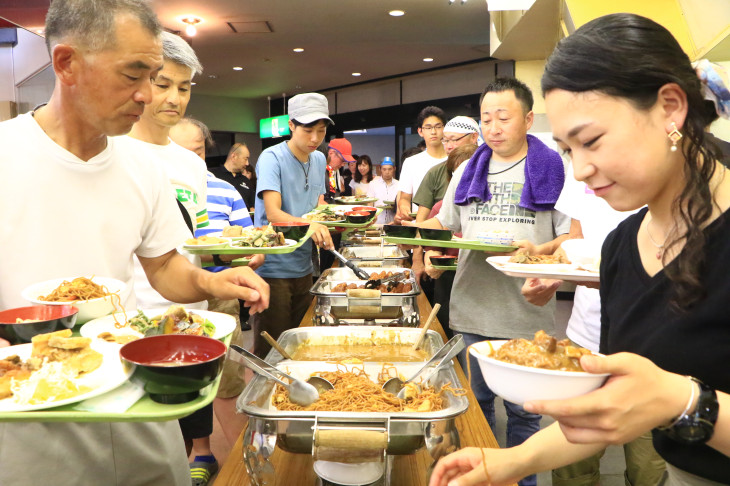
[(460, 130), (291, 182), (385, 188)]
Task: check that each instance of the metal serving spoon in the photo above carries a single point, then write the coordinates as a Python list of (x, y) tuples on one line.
[(443, 356), (300, 392)]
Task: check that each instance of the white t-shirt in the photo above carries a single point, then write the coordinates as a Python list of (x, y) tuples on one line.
[(413, 171), (597, 219), (188, 177), (359, 188), (64, 217)]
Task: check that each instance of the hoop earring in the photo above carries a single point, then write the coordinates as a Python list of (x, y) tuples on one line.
[(675, 136)]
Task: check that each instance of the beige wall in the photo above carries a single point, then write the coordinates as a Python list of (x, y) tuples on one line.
[(530, 73)]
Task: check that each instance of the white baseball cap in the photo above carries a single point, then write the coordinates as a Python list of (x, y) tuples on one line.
[(309, 107), (461, 124)]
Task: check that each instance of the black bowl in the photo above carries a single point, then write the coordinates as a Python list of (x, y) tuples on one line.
[(174, 367), (48, 318), (443, 260), (400, 231), (435, 234), (366, 209), (357, 217), (294, 230)]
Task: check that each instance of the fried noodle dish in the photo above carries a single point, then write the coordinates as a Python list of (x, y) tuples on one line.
[(538, 259), (355, 392), (82, 289)]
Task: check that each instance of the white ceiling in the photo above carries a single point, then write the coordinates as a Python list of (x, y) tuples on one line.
[(339, 37)]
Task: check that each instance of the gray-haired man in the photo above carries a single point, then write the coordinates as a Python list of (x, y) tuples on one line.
[(60, 160)]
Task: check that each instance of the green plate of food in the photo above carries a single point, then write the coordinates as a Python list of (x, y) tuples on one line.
[(254, 241), (452, 243)]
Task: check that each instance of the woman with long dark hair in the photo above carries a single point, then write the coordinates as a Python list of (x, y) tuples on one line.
[(627, 106), (363, 176)]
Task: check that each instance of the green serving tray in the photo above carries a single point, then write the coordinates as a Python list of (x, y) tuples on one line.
[(454, 243), (444, 267), (249, 250), (145, 410)]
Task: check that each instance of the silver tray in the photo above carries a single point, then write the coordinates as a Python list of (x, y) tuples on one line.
[(291, 339), (374, 252), (294, 430)]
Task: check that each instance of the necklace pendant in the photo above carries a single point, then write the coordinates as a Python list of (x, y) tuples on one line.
[(306, 186), (659, 254)]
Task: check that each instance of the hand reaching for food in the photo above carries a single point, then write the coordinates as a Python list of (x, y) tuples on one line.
[(473, 466), (243, 284)]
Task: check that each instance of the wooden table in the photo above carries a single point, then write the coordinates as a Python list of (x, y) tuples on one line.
[(411, 470)]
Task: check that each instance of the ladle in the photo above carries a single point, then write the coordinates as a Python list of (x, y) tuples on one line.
[(443, 356), (300, 392)]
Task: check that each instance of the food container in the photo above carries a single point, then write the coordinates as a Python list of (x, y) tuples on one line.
[(400, 231), (357, 217), (363, 253), (435, 234), (338, 335), (496, 237), (336, 308)]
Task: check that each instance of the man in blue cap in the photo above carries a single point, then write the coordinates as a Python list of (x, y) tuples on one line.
[(385, 188)]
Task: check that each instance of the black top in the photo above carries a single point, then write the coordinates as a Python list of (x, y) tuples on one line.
[(636, 316), (243, 185)]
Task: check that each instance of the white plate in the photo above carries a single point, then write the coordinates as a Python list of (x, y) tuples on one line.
[(349, 474), (224, 323), (107, 377), (561, 271), (206, 247)]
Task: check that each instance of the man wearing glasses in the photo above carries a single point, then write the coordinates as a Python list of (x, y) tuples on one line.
[(460, 130), (430, 123)]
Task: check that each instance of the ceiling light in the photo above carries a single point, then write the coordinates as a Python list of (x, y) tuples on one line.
[(191, 21), (397, 13), (357, 74), (298, 49), (193, 83), (427, 59), (237, 68)]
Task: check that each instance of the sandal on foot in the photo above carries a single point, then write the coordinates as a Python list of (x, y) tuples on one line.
[(201, 472)]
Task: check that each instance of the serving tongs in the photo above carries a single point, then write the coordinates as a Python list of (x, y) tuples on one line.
[(443, 357), (391, 281), (300, 392), (361, 274)]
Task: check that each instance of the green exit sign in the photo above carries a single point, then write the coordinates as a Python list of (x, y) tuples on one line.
[(277, 126)]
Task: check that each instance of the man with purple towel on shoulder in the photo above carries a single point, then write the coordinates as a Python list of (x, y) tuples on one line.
[(511, 184)]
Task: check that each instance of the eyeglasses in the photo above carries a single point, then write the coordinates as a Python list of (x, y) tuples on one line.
[(431, 128), (447, 141)]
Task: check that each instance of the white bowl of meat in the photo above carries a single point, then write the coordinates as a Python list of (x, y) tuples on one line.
[(520, 370), (582, 252), (93, 297)]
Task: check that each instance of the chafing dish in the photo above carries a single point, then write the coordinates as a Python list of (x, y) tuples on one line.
[(352, 437), (336, 308), (375, 252), (291, 339)]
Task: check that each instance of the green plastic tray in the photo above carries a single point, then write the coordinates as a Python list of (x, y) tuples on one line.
[(145, 410), (249, 250), (444, 267), (455, 243)]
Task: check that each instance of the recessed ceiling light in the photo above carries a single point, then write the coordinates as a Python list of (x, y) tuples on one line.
[(357, 74), (193, 83), (427, 59), (237, 68), (396, 13), (212, 76), (298, 49)]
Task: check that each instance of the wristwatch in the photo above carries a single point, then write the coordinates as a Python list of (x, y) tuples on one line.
[(698, 426)]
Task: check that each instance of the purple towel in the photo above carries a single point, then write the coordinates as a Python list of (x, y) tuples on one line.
[(544, 177)]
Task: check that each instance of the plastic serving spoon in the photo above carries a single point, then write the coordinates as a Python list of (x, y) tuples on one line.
[(300, 392), (443, 356)]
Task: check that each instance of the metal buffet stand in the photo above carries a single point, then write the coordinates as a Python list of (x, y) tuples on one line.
[(275, 466)]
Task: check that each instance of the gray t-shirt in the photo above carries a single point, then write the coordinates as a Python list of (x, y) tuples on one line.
[(484, 301)]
